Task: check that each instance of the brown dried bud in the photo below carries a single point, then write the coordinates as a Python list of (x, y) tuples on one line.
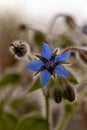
[(83, 55), (70, 21), (19, 49), (57, 95), (68, 93), (23, 27)]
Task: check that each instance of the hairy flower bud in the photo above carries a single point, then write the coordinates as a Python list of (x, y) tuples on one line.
[(57, 95), (68, 93), (83, 55), (19, 49), (70, 21)]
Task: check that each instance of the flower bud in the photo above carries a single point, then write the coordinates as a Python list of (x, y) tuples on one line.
[(84, 29), (70, 21), (68, 93), (83, 55), (23, 27), (19, 49), (57, 95)]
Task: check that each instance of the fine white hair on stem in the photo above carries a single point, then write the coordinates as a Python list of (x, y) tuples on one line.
[(68, 19)]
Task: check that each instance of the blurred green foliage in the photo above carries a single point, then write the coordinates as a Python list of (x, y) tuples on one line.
[(32, 122), (7, 121), (65, 41), (35, 86), (50, 83), (15, 102), (68, 108), (39, 38), (72, 78), (10, 79)]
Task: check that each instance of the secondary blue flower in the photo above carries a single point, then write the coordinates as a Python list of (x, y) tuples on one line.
[(48, 63), (84, 29)]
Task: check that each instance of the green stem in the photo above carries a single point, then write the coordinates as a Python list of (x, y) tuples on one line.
[(62, 122), (47, 108)]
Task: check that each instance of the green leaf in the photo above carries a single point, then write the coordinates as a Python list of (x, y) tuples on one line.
[(7, 121), (36, 85), (15, 102), (59, 82), (50, 83), (39, 38), (11, 78), (68, 108), (65, 41), (32, 122), (72, 79)]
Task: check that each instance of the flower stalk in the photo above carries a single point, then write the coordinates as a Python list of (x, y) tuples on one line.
[(47, 108), (72, 48), (62, 121)]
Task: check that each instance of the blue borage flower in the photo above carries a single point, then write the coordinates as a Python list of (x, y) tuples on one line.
[(48, 63), (84, 28)]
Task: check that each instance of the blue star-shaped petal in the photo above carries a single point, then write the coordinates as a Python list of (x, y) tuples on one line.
[(48, 63)]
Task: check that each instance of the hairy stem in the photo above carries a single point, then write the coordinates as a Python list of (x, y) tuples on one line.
[(63, 121), (72, 48), (69, 20), (47, 108)]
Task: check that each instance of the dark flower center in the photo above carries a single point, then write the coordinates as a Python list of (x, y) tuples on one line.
[(50, 66), (20, 51)]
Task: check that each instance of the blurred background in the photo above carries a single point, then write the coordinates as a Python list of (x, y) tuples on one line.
[(61, 24)]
